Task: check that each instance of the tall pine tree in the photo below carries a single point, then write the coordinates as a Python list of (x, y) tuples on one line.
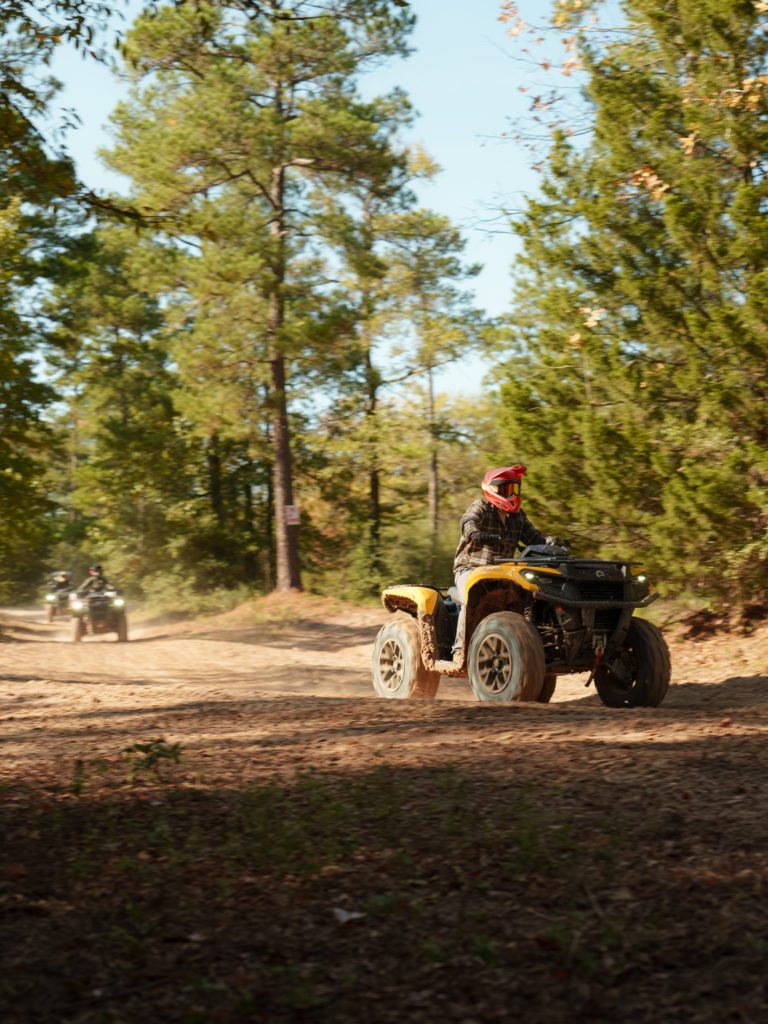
[(638, 389), (254, 106)]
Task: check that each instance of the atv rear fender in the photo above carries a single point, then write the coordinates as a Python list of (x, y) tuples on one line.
[(428, 606), (411, 599)]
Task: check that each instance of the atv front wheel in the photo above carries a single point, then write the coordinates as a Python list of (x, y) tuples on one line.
[(506, 659), (639, 676), (122, 628), (547, 688), (79, 629), (398, 671)]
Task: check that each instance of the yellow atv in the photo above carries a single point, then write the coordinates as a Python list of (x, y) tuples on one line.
[(525, 622)]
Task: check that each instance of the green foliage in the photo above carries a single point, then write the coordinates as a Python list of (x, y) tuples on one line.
[(151, 755), (217, 367), (342, 555), (637, 383), (239, 120), (146, 493), (25, 442), (40, 170), (36, 215), (176, 591), (227, 359)]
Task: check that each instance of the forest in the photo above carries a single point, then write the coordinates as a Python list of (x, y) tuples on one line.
[(252, 335)]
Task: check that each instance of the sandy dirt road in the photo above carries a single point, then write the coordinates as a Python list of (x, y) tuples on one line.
[(244, 673), (564, 863)]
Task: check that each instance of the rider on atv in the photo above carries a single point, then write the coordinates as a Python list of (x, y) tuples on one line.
[(522, 620), (61, 581), (495, 526), (95, 581)]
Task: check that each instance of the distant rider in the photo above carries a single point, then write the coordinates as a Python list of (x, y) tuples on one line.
[(494, 526), (94, 582), (62, 581)]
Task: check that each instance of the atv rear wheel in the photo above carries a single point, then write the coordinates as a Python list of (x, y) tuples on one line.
[(398, 671), (639, 677), (506, 659)]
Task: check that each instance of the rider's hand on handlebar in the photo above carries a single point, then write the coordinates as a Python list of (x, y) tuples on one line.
[(558, 542)]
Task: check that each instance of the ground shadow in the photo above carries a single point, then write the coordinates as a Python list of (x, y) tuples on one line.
[(402, 893)]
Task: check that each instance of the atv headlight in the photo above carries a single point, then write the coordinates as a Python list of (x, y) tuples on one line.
[(50, 597), (77, 605), (118, 602), (641, 586), (543, 579)]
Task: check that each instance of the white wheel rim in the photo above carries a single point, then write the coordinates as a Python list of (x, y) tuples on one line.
[(391, 665), (494, 664)]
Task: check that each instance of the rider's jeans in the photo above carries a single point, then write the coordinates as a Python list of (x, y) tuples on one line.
[(461, 577)]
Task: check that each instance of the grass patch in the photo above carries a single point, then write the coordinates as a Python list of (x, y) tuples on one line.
[(279, 902)]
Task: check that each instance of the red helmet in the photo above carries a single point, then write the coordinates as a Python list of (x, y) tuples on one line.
[(502, 487)]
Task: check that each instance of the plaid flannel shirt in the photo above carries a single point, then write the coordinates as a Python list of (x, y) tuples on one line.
[(510, 532)]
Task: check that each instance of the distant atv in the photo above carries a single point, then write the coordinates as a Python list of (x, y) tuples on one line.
[(56, 604), (99, 611), (526, 621)]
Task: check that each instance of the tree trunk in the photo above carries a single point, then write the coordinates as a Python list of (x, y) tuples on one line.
[(214, 478), (433, 471), (286, 535), (374, 476), (267, 560), (249, 527)]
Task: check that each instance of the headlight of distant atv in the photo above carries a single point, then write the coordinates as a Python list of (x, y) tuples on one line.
[(118, 602), (77, 605), (50, 597)]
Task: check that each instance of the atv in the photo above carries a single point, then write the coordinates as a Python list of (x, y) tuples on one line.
[(99, 611), (57, 603), (525, 622)]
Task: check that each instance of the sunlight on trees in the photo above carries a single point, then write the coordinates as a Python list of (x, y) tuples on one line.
[(265, 334)]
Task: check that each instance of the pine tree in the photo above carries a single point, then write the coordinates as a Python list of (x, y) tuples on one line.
[(403, 271), (124, 476), (438, 323), (35, 216), (639, 385), (250, 108), (24, 441)]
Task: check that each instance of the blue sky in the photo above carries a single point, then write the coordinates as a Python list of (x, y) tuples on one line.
[(462, 82)]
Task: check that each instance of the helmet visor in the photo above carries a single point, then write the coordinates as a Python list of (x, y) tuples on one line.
[(506, 488)]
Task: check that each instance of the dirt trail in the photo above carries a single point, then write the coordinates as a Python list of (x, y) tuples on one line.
[(193, 679), (317, 854)]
